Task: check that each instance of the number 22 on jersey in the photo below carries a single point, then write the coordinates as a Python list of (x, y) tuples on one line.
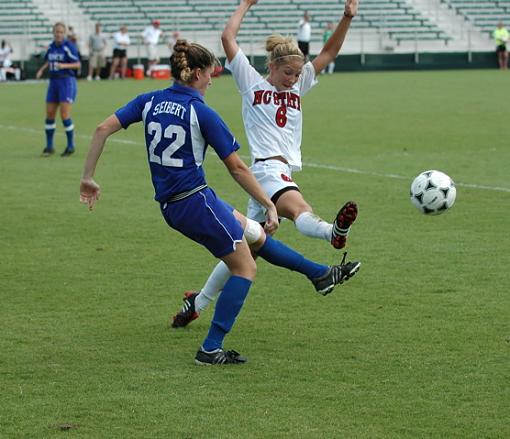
[(166, 158)]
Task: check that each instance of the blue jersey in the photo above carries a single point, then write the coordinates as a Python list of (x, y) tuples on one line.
[(62, 53), (179, 126)]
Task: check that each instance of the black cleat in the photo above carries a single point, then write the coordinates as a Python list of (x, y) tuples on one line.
[(336, 274), (67, 152), (187, 313), (218, 356), (343, 221), (47, 152)]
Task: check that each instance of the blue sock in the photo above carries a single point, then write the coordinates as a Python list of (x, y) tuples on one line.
[(69, 128), (277, 253), (49, 129), (228, 306)]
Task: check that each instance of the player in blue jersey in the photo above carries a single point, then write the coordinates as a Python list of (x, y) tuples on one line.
[(178, 128), (63, 61)]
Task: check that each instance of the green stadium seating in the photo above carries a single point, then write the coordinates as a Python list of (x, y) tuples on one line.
[(395, 18)]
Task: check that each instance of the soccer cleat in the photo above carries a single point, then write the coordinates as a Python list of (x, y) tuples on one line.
[(218, 356), (47, 152), (187, 313), (67, 152), (336, 274), (343, 221)]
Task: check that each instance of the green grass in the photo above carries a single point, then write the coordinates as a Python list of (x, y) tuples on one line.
[(416, 346)]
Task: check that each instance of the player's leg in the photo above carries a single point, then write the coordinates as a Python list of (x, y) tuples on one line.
[(209, 221), (49, 124), (323, 277), (292, 205), (276, 179), (242, 269), (68, 97)]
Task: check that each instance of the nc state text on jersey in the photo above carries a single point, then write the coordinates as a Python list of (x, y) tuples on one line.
[(282, 98), (169, 107)]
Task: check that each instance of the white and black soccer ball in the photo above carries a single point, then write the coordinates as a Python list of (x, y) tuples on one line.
[(433, 192)]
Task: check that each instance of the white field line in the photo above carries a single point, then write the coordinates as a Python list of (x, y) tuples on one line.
[(305, 164)]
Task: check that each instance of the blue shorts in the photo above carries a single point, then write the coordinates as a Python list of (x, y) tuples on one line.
[(62, 90), (206, 219)]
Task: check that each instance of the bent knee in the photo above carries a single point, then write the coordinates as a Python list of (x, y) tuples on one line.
[(254, 233)]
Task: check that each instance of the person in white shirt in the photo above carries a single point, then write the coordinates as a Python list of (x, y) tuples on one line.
[(6, 63), (271, 110), (151, 36), (121, 42), (304, 34)]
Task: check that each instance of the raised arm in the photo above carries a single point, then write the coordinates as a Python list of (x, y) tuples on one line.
[(229, 35), (335, 42), (89, 189)]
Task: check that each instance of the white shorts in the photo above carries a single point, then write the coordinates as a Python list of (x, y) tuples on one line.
[(152, 52), (273, 176)]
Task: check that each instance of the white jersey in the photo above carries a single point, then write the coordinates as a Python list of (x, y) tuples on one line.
[(304, 32), (272, 119), (121, 40), (151, 35)]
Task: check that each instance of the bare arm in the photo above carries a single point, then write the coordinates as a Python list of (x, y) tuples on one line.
[(69, 65), (41, 70), (89, 189), (335, 42), (229, 35), (244, 177)]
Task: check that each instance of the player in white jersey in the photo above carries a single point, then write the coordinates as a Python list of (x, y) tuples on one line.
[(271, 108)]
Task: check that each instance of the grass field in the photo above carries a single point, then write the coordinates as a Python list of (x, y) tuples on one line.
[(416, 346)]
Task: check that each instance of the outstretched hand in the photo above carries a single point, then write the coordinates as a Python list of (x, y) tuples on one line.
[(89, 192), (250, 3), (351, 8)]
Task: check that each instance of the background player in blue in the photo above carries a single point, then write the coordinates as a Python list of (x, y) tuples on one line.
[(178, 128), (63, 61)]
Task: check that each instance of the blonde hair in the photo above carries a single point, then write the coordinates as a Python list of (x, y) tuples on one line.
[(281, 48), (189, 56)]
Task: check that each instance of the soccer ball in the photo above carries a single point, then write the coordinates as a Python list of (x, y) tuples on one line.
[(433, 192)]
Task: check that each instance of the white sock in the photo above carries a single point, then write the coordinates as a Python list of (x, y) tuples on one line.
[(212, 287), (313, 226)]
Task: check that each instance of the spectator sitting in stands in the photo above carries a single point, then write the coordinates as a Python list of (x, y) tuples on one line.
[(6, 66)]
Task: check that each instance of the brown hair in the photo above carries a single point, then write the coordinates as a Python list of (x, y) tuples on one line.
[(280, 48), (189, 56), (59, 24)]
